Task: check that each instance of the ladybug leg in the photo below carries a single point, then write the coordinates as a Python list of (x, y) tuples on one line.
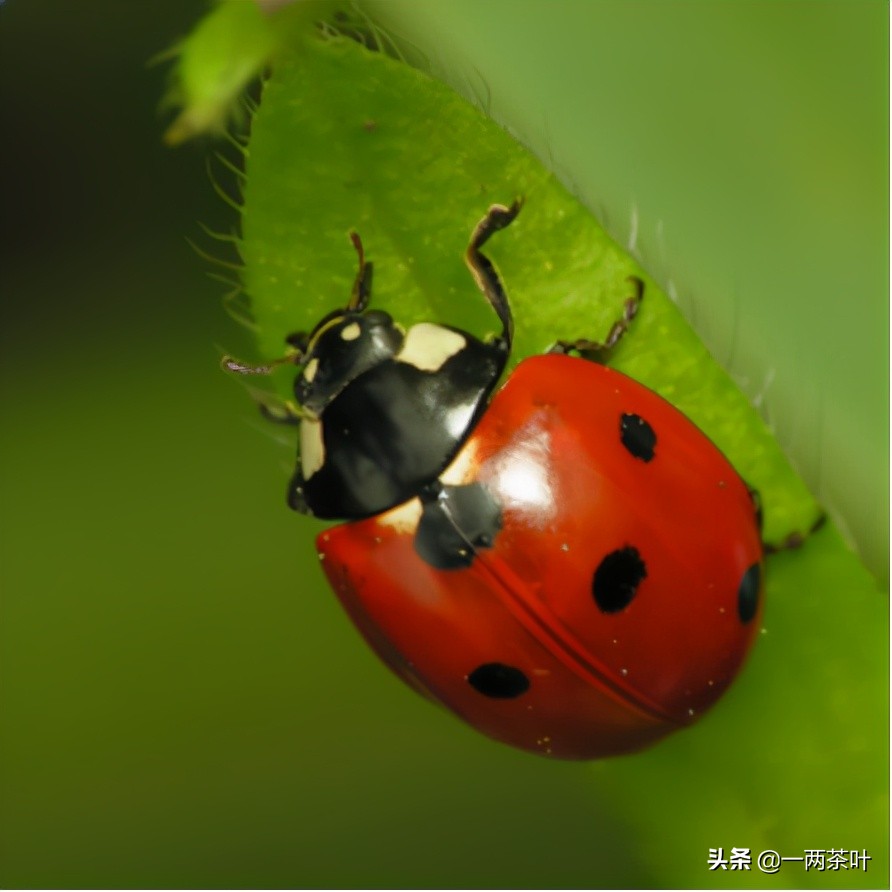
[(790, 542), (757, 504), (796, 539), (278, 411), (597, 351), (487, 279)]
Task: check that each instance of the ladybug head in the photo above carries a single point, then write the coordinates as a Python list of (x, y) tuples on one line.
[(344, 344), (340, 348)]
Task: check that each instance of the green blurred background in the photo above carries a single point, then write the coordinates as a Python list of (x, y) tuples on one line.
[(183, 703)]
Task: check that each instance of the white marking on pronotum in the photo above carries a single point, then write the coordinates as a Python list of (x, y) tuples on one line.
[(350, 332), (312, 447), (310, 369), (428, 346), (404, 518), (461, 469)]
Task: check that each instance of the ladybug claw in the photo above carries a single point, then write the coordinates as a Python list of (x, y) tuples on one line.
[(795, 539), (596, 351)]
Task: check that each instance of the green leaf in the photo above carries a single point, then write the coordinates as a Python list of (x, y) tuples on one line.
[(347, 139), (350, 139), (795, 756), (226, 51)]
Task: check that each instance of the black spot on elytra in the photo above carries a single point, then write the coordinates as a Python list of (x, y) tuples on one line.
[(617, 579), (499, 681), (748, 593), (637, 436)]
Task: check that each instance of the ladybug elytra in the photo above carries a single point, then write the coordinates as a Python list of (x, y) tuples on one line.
[(567, 563)]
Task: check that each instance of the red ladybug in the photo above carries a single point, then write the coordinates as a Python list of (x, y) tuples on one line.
[(570, 565)]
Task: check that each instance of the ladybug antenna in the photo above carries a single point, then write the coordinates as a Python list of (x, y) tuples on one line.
[(362, 285), (231, 364)]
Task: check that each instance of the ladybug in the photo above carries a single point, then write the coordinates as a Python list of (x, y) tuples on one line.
[(567, 562)]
